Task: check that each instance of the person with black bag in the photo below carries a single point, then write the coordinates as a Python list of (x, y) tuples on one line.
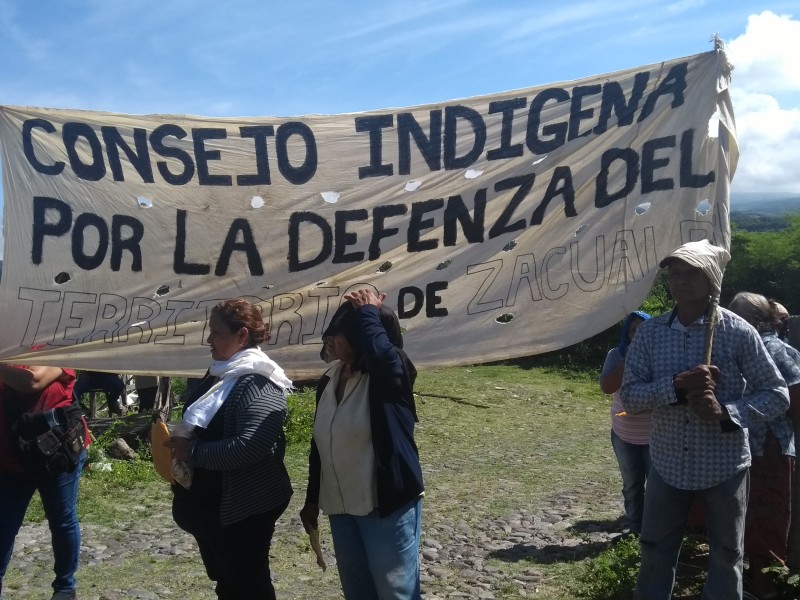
[(43, 440)]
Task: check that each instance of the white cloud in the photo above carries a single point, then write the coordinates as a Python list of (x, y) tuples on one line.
[(769, 152), (766, 97), (767, 55)]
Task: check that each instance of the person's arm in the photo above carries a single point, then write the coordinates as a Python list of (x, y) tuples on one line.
[(787, 359), (384, 360), (309, 514), (28, 380), (768, 396), (375, 341), (259, 417), (641, 390), (611, 374)]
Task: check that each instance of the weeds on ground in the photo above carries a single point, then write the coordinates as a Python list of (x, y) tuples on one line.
[(787, 583), (300, 418), (612, 574)]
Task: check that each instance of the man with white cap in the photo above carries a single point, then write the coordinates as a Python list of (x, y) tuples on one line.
[(698, 446)]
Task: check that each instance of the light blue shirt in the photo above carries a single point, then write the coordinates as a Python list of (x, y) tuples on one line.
[(787, 359), (689, 452)]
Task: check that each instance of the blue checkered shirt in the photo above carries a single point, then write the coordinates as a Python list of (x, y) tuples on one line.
[(689, 452), (787, 359)]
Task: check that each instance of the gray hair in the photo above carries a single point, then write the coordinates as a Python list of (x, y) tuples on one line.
[(755, 309)]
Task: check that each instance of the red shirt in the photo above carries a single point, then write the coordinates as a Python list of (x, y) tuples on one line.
[(55, 395)]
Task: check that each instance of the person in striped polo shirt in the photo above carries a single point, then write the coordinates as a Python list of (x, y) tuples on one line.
[(630, 433)]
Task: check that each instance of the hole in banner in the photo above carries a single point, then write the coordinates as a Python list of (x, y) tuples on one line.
[(331, 197), (384, 267), (510, 246), (505, 318), (642, 208), (61, 278), (162, 290), (703, 207), (443, 265)]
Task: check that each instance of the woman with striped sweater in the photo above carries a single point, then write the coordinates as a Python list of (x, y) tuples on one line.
[(239, 484)]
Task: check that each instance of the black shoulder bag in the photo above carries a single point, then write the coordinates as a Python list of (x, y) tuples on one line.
[(49, 442)]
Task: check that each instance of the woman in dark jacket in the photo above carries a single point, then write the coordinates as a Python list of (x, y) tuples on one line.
[(364, 470), (239, 485)]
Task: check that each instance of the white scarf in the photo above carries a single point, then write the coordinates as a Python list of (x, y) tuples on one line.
[(244, 362)]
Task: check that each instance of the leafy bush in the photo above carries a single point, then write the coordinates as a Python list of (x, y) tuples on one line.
[(103, 440), (300, 420), (612, 574), (179, 386), (786, 582), (766, 263), (659, 301)]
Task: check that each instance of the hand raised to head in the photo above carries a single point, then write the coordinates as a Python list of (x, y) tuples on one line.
[(364, 297)]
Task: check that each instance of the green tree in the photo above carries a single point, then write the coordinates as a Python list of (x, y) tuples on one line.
[(767, 263)]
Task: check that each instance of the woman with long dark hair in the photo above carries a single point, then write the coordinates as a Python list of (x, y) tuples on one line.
[(364, 470)]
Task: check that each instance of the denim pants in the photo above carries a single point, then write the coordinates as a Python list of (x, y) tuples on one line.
[(634, 463), (666, 512), (59, 499), (378, 558)]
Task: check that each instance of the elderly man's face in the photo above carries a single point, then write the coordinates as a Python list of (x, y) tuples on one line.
[(687, 284)]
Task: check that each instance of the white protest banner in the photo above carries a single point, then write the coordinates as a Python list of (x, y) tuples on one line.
[(499, 226)]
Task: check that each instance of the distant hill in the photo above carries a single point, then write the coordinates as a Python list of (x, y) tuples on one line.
[(763, 212), (766, 204)]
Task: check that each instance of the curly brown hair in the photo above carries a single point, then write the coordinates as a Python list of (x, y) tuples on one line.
[(237, 313)]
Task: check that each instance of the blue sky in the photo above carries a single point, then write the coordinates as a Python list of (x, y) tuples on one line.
[(253, 57)]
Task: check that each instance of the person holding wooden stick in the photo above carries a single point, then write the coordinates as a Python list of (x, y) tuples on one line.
[(690, 367)]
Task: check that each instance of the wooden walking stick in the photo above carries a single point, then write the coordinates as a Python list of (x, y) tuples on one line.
[(711, 318)]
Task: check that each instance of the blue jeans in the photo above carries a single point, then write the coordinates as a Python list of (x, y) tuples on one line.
[(634, 463), (666, 511), (378, 558), (59, 499)]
